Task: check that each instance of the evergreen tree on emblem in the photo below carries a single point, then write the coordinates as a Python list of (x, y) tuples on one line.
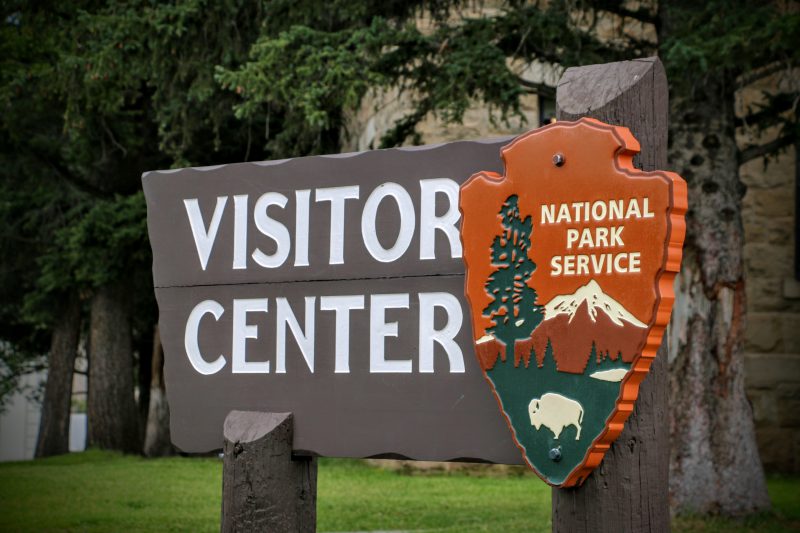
[(513, 308)]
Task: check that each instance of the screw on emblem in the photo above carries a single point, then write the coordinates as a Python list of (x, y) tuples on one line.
[(555, 454), (558, 159)]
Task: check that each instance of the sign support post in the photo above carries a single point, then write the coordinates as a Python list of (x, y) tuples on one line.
[(630, 489), (264, 488)]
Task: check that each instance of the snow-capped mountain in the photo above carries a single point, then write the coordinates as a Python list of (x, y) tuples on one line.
[(576, 326), (596, 300), (585, 322)]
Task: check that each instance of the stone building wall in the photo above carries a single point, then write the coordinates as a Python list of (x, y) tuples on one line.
[(380, 111), (772, 363), (773, 331)]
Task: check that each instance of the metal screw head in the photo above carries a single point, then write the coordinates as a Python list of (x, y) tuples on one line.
[(555, 454), (558, 159)]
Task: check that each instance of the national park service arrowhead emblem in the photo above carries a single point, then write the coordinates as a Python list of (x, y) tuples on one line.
[(570, 258)]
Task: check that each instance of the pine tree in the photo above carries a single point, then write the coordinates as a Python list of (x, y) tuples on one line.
[(513, 305), (548, 360), (594, 362)]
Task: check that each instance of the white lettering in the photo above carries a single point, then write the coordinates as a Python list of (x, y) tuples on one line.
[(634, 262), (615, 209), (342, 305), (305, 340), (273, 229), (445, 336), (301, 228), (429, 222), (569, 265), (337, 196), (633, 209), (563, 214), (379, 329), (548, 214), (597, 262), (240, 232), (204, 239), (618, 262), (582, 267), (599, 210), (242, 332), (555, 266), (586, 238), (647, 212), (190, 337), (616, 236), (601, 237), (407, 222), (572, 236)]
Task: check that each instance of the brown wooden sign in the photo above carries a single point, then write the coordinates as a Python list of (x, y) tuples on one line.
[(333, 287), (330, 287), (571, 256)]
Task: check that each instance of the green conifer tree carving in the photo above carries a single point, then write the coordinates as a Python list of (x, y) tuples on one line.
[(513, 308)]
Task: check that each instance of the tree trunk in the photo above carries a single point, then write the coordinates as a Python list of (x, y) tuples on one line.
[(157, 439), (112, 416), (143, 361), (714, 461), (714, 465), (54, 423)]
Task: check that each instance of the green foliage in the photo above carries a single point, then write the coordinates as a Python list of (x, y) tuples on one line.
[(107, 242), (446, 71), (513, 307), (34, 203), (139, 90), (728, 37), (302, 78), (471, 59), (307, 77), (729, 44)]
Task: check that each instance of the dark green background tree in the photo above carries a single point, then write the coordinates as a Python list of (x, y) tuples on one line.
[(513, 307)]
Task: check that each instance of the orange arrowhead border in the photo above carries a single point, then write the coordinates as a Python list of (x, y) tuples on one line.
[(673, 246)]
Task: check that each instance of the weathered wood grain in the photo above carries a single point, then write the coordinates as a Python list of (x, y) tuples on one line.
[(629, 491), (263, 487)]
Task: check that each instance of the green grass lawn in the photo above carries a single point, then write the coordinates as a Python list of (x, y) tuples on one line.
[(100, 491)]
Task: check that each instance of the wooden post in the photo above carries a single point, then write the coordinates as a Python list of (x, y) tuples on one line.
[(629, 491), (263, 487)]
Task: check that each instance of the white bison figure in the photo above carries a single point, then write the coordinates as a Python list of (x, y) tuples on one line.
[(556, 412)]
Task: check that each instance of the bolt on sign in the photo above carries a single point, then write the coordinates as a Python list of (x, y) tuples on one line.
[(333, 287), (571, 256)]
